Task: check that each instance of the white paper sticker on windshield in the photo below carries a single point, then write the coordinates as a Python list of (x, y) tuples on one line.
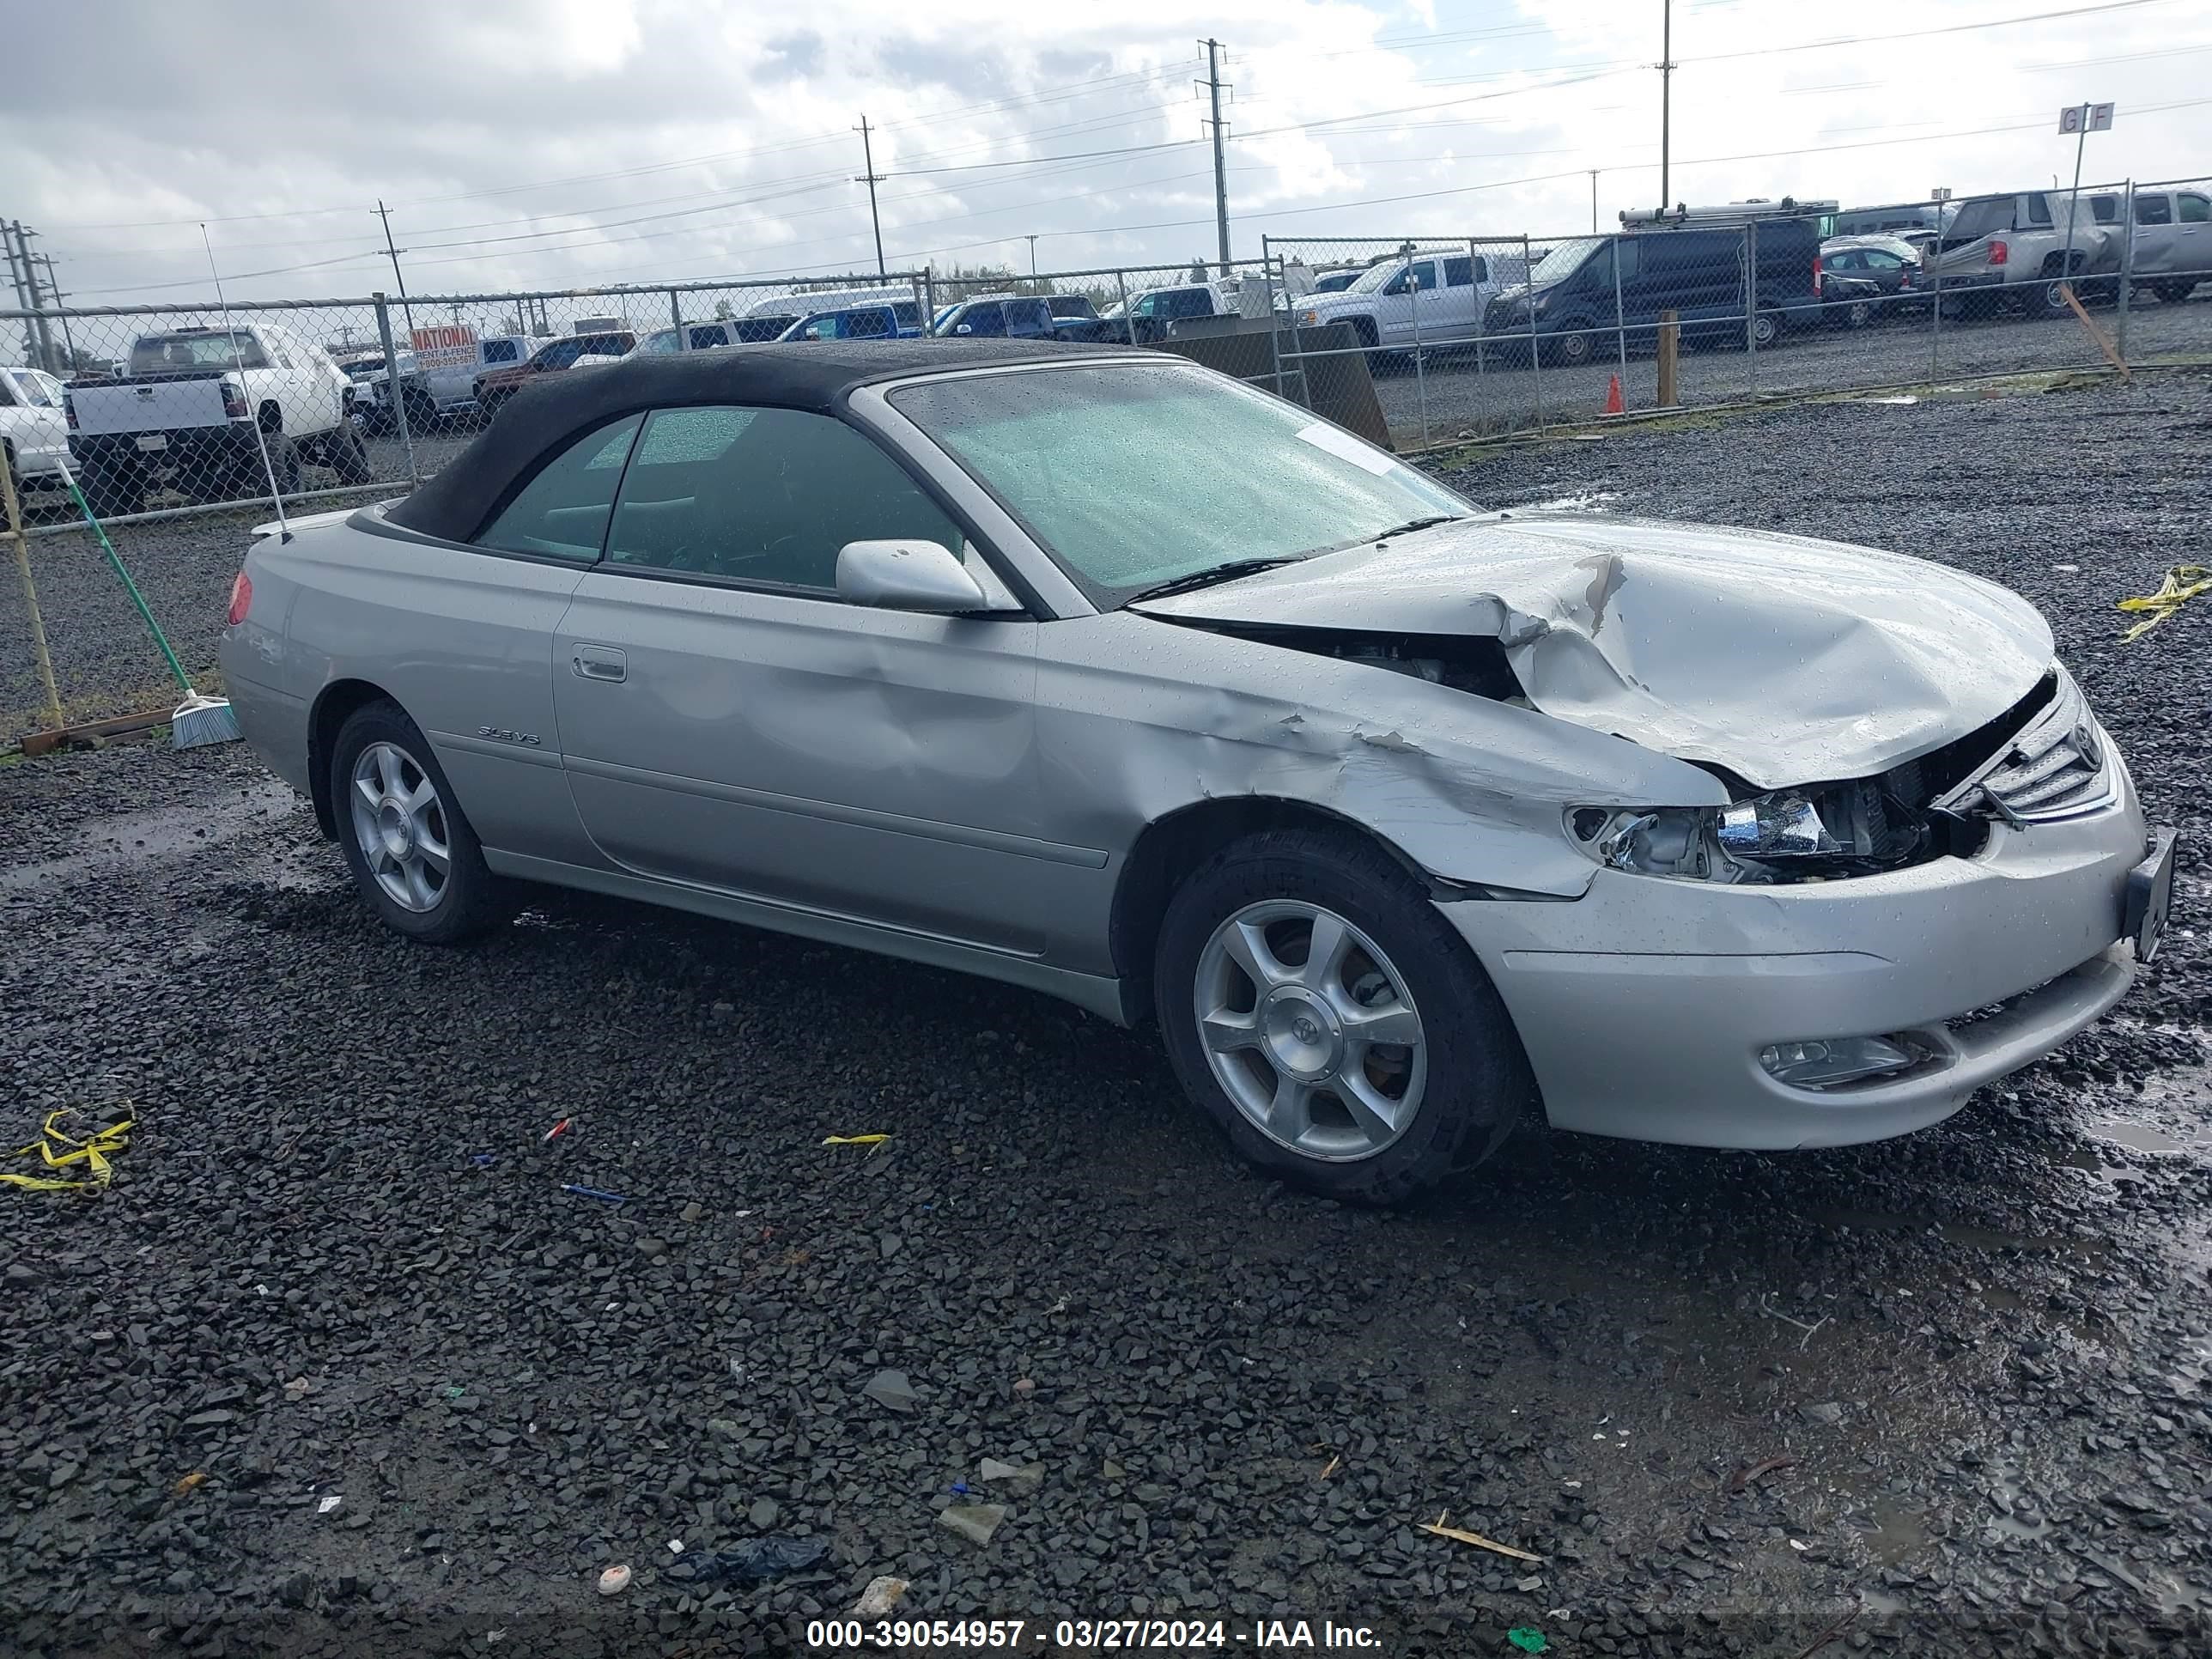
[(1342, 445)]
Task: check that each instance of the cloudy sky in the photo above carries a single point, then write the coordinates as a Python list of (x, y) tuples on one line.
[(546, 143)]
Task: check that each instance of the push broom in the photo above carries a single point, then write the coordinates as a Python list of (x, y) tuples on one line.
[(198, 720)]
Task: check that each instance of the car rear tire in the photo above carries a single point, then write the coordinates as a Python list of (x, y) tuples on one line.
[(348, 456), (1267, 1040), (1859, 314), (284, 463), (1571, 348), (113, 491), (412, 853), (2174, 294)]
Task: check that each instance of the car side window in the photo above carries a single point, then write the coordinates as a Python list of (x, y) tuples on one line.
[(499, 351), (2195, 210), (563, 511), (2039, 209), (2154, 210), (1425, 276), (1481, 273), (1876, 259), (986, 319), (1028, 318), (1629, 252), (1458, 273), (763, 495)]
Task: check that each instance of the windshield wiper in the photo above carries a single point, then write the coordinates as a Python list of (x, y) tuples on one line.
[(1209, 576), (1412, 525)]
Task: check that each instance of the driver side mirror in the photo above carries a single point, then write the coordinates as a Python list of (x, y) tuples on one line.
[(907, 575)]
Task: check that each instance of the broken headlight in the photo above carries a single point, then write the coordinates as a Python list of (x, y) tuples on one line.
[(1658, 841), (1810, 834)]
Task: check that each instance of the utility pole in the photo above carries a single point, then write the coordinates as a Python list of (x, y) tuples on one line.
[(1593, 174), (1032, 257), (42, 345), (54, 292), (408, 310), (1666, 91), (872, 178), (1212, 84), (16, 275)]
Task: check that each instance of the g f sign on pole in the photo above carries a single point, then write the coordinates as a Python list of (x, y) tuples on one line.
[(2080, 121)]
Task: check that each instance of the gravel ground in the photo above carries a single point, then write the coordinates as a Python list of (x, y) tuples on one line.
[(1961, 1382), (1900, 351)]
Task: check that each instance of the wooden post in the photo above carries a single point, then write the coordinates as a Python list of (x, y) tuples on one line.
[(30, 590), (1670, 345)]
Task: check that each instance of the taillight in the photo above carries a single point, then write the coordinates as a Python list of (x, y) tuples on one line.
[(1999, 253), (233, 401), (242, 597), (1816, 274)]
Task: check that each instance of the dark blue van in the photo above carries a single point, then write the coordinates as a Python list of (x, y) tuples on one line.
[(1695, 272)]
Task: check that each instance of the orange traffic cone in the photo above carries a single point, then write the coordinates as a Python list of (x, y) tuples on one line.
[(1613, 403)]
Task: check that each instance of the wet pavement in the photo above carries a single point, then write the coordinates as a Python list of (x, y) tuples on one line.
[(1956, 1387)]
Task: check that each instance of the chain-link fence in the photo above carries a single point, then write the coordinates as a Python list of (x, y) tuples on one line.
[(183, 422), (1470, 336)]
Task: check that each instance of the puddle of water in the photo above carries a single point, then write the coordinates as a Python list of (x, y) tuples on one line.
[(1893, 1531), (1977, 1238), (2142, 1138), (143, 837)]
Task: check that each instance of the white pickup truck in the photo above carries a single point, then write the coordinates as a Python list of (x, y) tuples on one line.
[(1432, 299), (184, 417)]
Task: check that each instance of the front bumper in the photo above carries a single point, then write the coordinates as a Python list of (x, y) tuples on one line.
[(1644, 1004)]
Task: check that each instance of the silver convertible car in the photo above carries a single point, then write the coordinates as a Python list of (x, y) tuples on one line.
[(1099, 673)]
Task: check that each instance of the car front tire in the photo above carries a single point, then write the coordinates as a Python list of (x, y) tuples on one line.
[(348, 456), (1336, 1028), (409, 847)]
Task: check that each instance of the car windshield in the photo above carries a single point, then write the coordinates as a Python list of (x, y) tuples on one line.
[(1564, 259), (1376, 276), (157, 352), (1136, 475), (660, 342)]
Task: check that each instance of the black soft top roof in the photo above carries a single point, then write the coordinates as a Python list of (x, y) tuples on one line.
[(817, 376)]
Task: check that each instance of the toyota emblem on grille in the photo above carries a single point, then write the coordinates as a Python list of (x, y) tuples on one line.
[(2087, 745)]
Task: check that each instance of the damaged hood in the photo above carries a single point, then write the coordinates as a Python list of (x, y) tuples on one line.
[(1783, 660)]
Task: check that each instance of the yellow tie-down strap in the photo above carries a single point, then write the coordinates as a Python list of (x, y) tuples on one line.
[(2183, 583), (60, 1152)]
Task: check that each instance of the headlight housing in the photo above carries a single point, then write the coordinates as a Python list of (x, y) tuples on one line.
[(1540, 304), (1784, 835), (1309, 318)]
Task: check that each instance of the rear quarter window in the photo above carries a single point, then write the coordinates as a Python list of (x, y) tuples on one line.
[(563, 511)]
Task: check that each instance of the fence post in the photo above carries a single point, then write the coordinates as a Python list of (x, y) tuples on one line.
[(1535, 346), (391, 385), (1620, 314), (2127, 266), (1670, 350), (1751, 302), (1129, 323), (1421, 368), (1933, 257), (1481, 304), (920, 301), (928, 298), (676, 316), (15, 524)]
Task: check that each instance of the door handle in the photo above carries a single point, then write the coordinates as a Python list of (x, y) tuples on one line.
[(599, 662)]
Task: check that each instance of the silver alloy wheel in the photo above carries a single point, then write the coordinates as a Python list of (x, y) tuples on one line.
[(1308, 1028), (399, 824)]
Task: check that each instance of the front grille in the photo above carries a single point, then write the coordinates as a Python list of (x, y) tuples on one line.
[(2058, 765)]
